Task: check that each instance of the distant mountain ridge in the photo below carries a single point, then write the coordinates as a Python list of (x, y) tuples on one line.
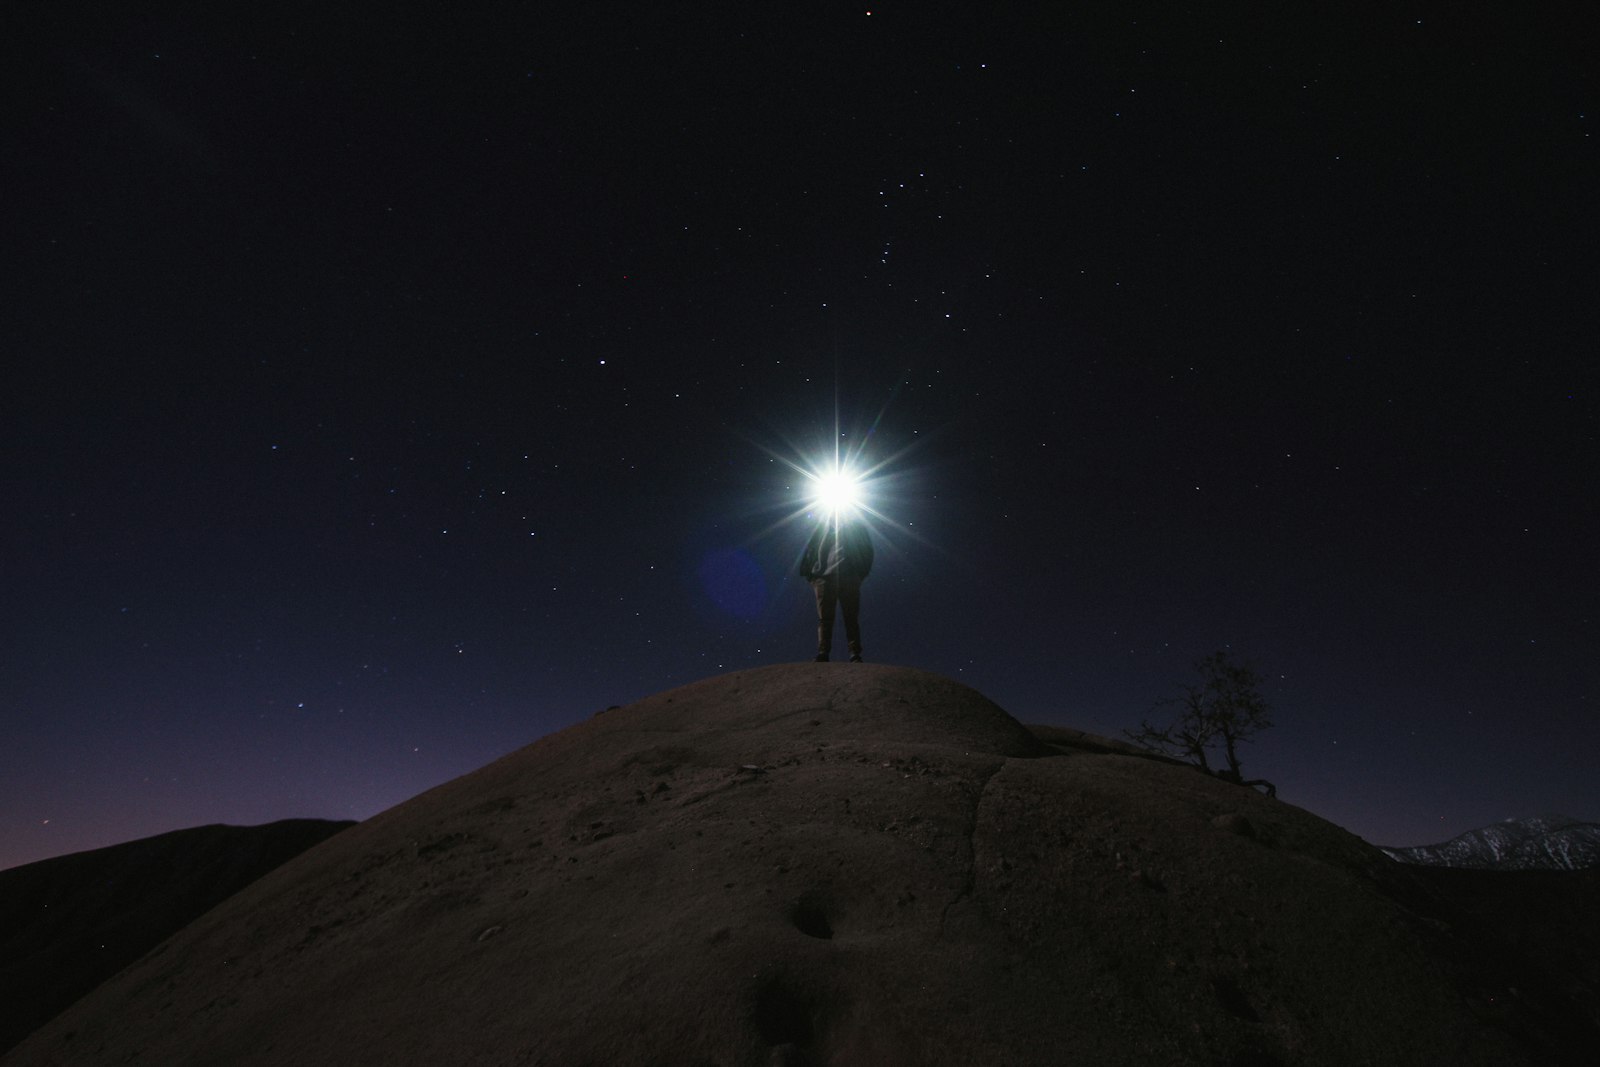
[(1535, 843)]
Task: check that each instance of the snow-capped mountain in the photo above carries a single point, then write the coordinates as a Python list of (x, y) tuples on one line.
[(1539, 843)]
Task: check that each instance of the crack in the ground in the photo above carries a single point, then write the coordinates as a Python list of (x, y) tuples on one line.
[(972, 848)]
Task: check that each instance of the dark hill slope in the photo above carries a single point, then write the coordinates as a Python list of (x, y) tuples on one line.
[(69, 923), (825, 864)]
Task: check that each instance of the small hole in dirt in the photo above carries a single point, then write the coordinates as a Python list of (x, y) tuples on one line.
[(810, 917)]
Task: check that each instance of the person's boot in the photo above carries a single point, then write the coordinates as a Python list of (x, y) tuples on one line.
[(824, 640)]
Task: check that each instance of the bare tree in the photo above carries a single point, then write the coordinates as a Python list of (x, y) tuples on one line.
[(1224, 711)]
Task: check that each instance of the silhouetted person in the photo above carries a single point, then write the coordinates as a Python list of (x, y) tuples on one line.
[(837, 559)]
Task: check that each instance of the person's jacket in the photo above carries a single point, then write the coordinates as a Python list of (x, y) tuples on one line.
[(837, 548)]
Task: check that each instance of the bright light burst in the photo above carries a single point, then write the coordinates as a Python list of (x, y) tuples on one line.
[(839, 478), (837, 491)]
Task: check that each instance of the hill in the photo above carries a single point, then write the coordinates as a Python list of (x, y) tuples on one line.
[(71, 922), (832, 864)]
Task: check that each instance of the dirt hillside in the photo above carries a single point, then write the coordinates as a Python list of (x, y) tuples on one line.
[(69, 923), (826, 864)]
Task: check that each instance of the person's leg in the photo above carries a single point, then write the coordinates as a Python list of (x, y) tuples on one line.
[(850, 607), (827, 596)]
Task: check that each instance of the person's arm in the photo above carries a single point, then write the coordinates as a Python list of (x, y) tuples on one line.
[(810, 554), (864, 550)]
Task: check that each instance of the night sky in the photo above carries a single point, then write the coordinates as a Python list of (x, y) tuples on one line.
[(385, 390)]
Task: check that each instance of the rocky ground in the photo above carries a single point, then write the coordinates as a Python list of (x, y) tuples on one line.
[(834, 864), (69, 923)]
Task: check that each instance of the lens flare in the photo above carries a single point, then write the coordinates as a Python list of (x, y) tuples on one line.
[(836, 492)]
